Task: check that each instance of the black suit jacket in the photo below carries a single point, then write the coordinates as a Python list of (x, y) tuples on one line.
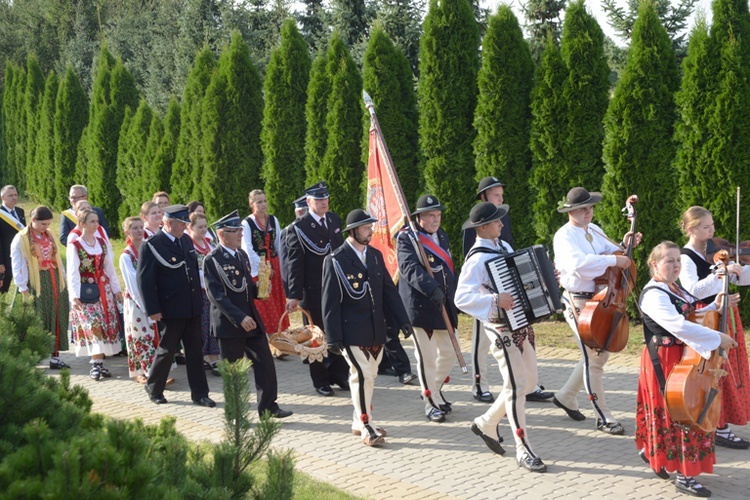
[(304, 262), (7, 233), (66, 225), (355, 297), (229, 307), (416, 286), (174, 289)]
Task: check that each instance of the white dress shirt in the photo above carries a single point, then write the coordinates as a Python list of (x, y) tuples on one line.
[(472, 293), (580, 261), (247, 244), (711, 284)]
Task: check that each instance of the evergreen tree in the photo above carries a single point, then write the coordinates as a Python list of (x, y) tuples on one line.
[(283, 133), (447, 97), (150, 185), (638, 146), (350, 19), (731, 24), (543, 20), (693, 100), (341, 165), (3, 148), (114, 91), (402, 21), (71, 117), (316, 110), (9, 124), (231, 123), (45, 146), (503, 115), (313, 24), (548, 179), (161, 168), (132, 159), (387, 77), (188, 167), (586, 91), (27, 173), (18, 139)]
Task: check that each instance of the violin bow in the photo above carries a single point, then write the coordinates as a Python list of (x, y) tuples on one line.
[(737, 238)]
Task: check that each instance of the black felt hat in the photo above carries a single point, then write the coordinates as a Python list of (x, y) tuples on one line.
[(428, 203), (358, 218), (487, 183), (578, 197), (484, 213)]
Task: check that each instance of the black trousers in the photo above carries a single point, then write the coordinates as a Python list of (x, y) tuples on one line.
[(395, 356), (333, 369), (256, 348), (171, 332)]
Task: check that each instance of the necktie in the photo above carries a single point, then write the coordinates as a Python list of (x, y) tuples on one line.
[(13, 213), (323, 223)]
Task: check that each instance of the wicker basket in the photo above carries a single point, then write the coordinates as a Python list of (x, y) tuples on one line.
[(307, 342)]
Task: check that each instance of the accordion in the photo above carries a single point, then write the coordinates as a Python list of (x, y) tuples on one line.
[(528, 276)]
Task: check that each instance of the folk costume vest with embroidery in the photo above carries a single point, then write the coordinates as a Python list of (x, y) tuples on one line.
[(651, 327), (703, 268), (263, 239), (91, 266)]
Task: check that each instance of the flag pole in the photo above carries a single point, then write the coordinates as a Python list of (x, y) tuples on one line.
[(403, 207)]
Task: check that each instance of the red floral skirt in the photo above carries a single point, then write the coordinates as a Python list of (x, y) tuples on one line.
[(667, 445), (735, 393), (273, 307)]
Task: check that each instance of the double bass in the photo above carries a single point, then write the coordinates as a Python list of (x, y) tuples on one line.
[(693, 389), (603, 324)]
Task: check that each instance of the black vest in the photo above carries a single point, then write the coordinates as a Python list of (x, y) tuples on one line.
[(703, 267), (651, 327)]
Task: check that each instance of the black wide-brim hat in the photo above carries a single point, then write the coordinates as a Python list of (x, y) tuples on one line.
[(487, 183), (358, 218), (428, 203), (484, 213), (578, 197)]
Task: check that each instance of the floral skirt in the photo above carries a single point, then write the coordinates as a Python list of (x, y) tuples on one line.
[(139, 339), (53, 311), (735, 392), (209, 342), (94, 329), (689, 452), (273, 307)]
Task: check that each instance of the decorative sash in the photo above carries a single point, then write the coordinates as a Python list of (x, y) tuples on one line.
[(71, 216), (436, 250), (10, 220)]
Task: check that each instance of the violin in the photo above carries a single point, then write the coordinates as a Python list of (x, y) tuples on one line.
[(693, 389), (715, 245), (603, 324)]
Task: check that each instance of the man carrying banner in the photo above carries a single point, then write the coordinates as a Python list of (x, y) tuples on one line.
[(12, 220), (313, 236), (424, 295)]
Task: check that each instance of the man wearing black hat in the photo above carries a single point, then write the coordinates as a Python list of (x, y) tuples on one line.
[(491, 190), (234, 319), (424, 297), (514, 354), (171, 289), (311, 238), (583, 253), (357, 290), (300, 210)]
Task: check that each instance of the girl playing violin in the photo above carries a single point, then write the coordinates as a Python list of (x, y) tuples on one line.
[(696, 277), (664, 445)]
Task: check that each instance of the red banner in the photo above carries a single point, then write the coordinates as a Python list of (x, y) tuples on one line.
[(383, 203)]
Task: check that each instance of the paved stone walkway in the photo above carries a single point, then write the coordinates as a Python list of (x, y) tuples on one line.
[(423, 460)]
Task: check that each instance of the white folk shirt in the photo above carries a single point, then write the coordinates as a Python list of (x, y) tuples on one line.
[(657, 306), (472, 293), (247, 244), (711, 284), (580, 261)]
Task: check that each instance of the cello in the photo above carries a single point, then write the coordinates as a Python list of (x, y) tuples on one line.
[(693, 389), (603, 324)]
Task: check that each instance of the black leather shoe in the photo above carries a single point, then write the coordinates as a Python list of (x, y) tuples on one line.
[(279, 413), (158, 399), (732, 441), (446, 408), (324, 390), (661, 473), (532, 464), (540, 396), (215, 370), (492, 444), (407, 377), (692, 487), (388, 371), (57, 364), (574, 414), (436, 415), (205, 401), (614, 428), (344, 386), (179, 358), (485, 397)]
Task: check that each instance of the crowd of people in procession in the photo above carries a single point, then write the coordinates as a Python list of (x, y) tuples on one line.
[(190, 295)]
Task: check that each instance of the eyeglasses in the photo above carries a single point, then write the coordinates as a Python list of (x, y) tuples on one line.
[(71, 197)]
